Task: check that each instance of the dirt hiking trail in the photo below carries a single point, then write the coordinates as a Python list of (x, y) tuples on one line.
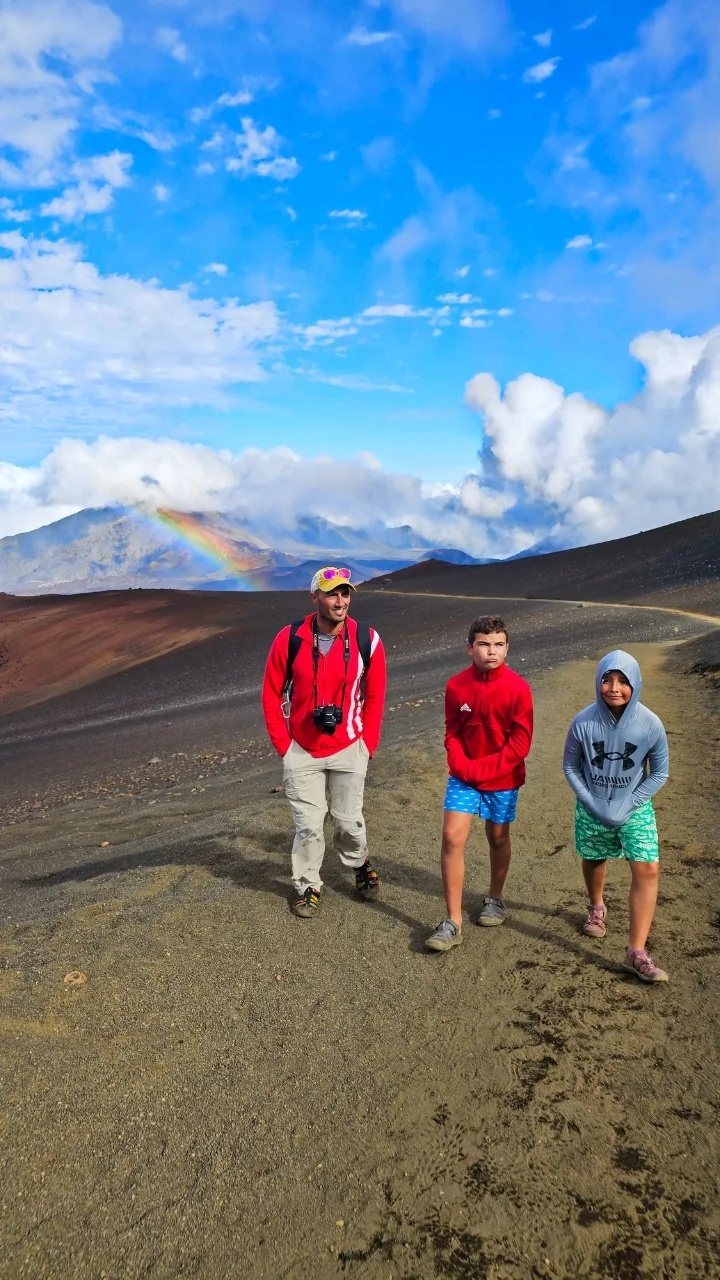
[(234, 1092)]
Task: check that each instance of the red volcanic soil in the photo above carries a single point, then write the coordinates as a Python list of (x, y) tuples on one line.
[(51, 644), (677, 566)]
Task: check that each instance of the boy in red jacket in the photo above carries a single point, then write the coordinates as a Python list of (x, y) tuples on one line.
[(488, 732)]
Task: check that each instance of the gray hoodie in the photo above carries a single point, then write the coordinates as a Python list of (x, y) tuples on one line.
[(614, 766)]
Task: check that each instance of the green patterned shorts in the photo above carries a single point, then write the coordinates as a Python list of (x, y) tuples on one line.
[(636, 839)]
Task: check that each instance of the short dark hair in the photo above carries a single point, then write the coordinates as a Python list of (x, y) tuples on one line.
[(483, 627)]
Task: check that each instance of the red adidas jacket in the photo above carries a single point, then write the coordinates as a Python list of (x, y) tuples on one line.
[(488, 727), (360, 719)]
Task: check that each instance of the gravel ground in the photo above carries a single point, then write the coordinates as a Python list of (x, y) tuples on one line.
[(236, 1092)]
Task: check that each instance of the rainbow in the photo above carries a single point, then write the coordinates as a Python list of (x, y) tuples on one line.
[(220, 550)]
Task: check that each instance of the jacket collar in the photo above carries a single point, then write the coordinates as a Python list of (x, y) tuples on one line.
[(488, 677)]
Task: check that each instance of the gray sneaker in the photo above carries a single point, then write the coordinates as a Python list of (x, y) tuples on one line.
[(446, 936), (493, 912)]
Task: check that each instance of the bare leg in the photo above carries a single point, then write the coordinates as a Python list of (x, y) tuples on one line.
[(643, 897), (498, 838), (456, 829), (594, 875)]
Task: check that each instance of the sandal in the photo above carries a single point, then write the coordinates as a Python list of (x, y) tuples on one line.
[(594, 926), (643, 966)]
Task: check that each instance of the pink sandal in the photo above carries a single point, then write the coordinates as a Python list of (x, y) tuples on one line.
[(642, 965), (594, 926)]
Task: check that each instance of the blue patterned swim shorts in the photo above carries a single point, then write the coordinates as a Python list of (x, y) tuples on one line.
[(495, 806)]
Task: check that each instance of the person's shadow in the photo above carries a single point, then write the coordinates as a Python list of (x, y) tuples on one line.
[(269, 875)]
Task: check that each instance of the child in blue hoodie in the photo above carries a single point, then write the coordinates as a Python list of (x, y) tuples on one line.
[(616, 758)]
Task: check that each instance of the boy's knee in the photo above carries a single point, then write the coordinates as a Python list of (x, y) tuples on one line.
[(645, 870)]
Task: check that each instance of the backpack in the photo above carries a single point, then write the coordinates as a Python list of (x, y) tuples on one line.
[(294, 644)]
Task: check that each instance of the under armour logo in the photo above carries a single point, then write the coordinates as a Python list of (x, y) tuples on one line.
[(603, 755), (465, 707)]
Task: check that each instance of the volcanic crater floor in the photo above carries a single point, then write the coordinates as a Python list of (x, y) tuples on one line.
[(235, 1092)]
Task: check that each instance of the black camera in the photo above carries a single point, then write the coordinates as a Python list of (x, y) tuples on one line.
[(328, 718)]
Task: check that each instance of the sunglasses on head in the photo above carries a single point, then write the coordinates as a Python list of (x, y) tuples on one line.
[(327, 575)]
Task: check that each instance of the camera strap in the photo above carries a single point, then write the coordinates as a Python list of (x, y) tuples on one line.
[(316, 660)]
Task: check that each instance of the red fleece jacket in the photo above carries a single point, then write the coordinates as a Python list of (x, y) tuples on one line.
[(360, 719), (488, 727)]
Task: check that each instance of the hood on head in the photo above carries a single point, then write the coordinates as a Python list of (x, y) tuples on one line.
[(619, 660)]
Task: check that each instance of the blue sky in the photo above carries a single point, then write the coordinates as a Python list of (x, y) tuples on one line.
[(289, 223)]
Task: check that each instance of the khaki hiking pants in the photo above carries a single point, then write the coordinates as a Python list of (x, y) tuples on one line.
[(313, 785)]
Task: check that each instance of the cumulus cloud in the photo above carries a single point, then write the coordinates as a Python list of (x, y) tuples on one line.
[(149, 474), (544, 38), (599, 473), (349, 215), (52, 52), (550, 462), (97, 180), (72, 336), (579, 242), (541, 71), (259, 154)]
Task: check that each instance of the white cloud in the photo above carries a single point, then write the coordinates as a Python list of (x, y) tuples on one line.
[(605, 473), (259, 154), (161, 193), (551, 460), (11, 213), (217, 268), (329, 156), (579, 242), (541, 71), (76, 341), (471, 26), (461, 272), (324, 332), (349, 215), (361, 36), (94, 192), (490, 271), (357, 382), (470, 322), (168, 38), (397, 311), (544, 38), (291, 213), (51, 54), (583, 26), (242, 98), (458, 299), (148, 474)]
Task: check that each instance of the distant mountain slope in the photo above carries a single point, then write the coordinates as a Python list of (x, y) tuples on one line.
[(677, 565), (115, 549)]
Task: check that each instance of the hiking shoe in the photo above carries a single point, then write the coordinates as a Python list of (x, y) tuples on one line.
[(643, 966), (367, 881), (446, 936), (493, 912), (594, 926), (307, 904)]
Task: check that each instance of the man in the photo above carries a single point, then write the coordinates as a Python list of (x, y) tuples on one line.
[(322, 699)]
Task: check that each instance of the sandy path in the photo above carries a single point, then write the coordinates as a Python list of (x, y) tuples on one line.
[(520, 1108), (586, 604)]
